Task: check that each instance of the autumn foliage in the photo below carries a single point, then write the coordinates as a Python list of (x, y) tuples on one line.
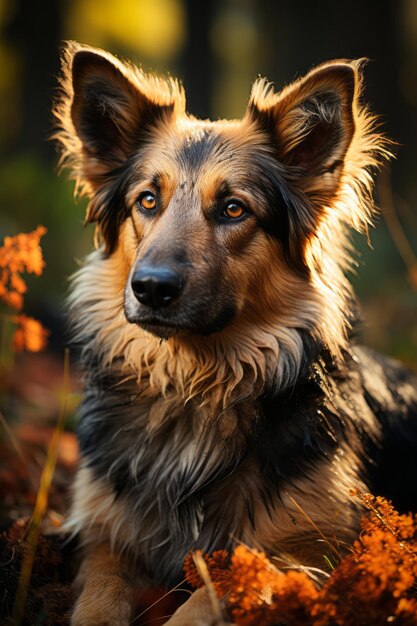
[(376, 583), (19, 254)]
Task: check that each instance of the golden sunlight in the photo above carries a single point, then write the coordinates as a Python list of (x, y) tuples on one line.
[(154, 29)]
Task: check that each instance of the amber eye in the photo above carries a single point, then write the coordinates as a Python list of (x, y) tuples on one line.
[(234, 209), (147, 201)]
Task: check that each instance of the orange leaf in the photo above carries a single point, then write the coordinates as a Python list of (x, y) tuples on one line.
[(30, 335), (18, 283), (14, 300)]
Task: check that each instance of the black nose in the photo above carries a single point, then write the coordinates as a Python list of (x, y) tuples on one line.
[(156, 286)]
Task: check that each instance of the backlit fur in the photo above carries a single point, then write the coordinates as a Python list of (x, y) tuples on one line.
[(247, 389), (271, 347)]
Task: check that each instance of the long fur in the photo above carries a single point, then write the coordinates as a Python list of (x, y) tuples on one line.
[(326, 310), (263, 407)]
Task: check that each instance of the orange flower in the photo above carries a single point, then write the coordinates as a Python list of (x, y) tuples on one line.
[(263, 595), (29, 335), (18, 283), (376, 583), (378, 580), (14, 299), (21, 253), (218, 569)]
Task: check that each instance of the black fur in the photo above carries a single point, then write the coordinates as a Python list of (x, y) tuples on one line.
[(287, 436), (208, 441)]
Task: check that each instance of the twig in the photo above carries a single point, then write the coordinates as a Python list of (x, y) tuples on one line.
[(395, 228), (176, 588), (205, 576), (40, 506), (314, 525), (12, 438)]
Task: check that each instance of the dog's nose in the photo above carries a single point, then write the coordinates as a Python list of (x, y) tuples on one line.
[(156, 286)]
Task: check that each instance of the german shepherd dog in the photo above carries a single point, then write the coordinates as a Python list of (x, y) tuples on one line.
[(226, 399)]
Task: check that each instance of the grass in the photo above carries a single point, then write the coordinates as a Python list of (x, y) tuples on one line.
[(41, 505)]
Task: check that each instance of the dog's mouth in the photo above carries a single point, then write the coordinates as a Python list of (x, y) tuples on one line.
[(160, 328), (166, 324)]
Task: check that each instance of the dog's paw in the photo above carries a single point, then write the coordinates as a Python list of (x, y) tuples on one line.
[(182, 620), (197, 611), (81, 617), (83, 620), (105, 605), (98, 617)]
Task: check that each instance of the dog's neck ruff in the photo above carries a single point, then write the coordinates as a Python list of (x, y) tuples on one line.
[(220, 369)]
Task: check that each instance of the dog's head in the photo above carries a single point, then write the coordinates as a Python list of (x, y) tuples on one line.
[(218, 221)]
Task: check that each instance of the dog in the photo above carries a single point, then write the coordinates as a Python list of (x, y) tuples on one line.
[(226, 396)]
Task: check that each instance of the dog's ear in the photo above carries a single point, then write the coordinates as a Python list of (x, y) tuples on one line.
[(108, 110), (311, 122), (105, 111)]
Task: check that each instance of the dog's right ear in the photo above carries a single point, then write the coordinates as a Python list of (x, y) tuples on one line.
[(105, 111)]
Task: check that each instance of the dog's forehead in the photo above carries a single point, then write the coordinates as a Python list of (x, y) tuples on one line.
[(204, 154), (196, 145)]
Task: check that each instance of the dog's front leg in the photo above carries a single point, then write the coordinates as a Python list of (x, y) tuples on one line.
[(106, 594), (197, 611)]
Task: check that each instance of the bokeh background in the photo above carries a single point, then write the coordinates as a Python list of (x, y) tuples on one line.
[(217, 48)]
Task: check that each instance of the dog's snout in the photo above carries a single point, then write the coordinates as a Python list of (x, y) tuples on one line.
[(156, 286)]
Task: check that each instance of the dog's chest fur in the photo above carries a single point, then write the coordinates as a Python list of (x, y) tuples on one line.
[(196, 480)]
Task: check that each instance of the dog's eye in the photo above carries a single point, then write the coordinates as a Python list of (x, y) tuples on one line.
[(234, 209), (147, 201)]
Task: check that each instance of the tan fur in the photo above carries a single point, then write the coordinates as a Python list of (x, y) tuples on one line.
[(194, 366), (98, 515), (107, 596), (197, 611), (270, 298), (216, 379), (84, 167)]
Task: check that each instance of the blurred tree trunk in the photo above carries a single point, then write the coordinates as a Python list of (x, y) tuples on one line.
[(35, 34), (197, 61), (316, 32)]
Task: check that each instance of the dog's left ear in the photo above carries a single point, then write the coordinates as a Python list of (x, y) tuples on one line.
[(311, 122), (105, 112), (109, 110)]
